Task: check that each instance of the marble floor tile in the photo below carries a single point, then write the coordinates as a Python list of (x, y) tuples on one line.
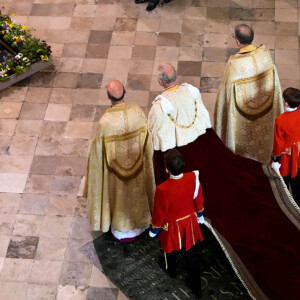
[(10, 110), (22, 144), (76, 273), (16, 269), (90, 80), (125, 24), (70, 64), (169, 39), (28, 225), (7, 126), (145, 38), (122, 38), (80, 228), (61, 206), (138, 82), (81, 209), (13, 94), (9, 203), (62, 95), (13, 290), (143, 52), (97, 51), (73, 252), (45, 272), (78, 129), (66, 80), (28, 127), (42, 79), (22, 247), (71, 292), (39, 184), (33, 111), (84, 10), (4, 242), (38, 95), (74, 50), (71, 166), (92, 65), (5, 142), (58, 226), (33, 204), (51, 249), (12, 183), (58, 112), (41, 292), (189, 68), (83, 112)]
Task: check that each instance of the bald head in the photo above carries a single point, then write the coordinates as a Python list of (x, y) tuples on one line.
[(167, 74), (244, 34), (115, 90)]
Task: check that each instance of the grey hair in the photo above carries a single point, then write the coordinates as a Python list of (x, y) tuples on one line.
[(164, 77)]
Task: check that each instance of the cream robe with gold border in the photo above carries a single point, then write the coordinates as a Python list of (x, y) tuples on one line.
[(187, 120), (248, 101), (120, 180)]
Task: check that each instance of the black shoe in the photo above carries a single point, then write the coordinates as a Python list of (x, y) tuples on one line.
[(140, 1), (152, 4)]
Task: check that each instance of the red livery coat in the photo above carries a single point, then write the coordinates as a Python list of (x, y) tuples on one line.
[(287, 142), (174, 211)]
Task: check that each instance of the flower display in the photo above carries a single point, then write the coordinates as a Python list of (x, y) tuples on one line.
[(27, 49)]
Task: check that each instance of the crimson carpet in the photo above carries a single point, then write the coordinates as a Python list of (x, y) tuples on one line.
[(251, 215)]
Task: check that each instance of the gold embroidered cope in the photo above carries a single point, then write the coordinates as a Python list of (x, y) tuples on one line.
[(248, 101), (120, 180)]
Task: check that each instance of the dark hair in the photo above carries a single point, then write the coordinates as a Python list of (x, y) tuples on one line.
[(244, 34), (292, 97), (174, 162), (111, 97)]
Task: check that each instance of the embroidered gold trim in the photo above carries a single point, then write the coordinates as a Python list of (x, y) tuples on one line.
[(165, 227), (172, 88), (153, 226), (185, 126), (261, 47), (120, 106), (253, 78), (248, 48), (142, 135)]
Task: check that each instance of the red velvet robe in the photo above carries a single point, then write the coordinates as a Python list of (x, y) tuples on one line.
[(287, 142), (175, 211), (242, 207)]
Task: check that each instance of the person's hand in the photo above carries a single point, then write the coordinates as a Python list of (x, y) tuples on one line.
[(200, 220), (276, 166)]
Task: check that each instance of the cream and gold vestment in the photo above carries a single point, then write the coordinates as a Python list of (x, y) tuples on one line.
[(177, 117), (120, 180), (248, 101)]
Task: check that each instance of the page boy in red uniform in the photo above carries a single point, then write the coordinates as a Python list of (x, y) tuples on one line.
[(177, 204), (286, 148)]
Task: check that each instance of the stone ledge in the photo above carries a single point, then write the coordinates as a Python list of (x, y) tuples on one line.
[(33, 69)]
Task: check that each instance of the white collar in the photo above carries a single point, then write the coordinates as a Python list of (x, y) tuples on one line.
[(176, 176), (289, 109)]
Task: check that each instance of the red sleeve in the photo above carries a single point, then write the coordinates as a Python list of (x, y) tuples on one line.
[(278, 144), (160, 209)]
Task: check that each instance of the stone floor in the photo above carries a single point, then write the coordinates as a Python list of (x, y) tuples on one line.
[(47, 122)]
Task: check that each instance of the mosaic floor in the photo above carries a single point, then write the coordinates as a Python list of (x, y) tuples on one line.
[(47, 121)]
